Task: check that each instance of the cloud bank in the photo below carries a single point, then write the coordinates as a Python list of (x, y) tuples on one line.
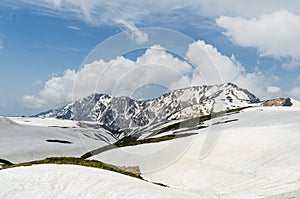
[(276, 34), (100, 11), (122, 76)]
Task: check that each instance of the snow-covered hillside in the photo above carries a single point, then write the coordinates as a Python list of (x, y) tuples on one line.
[(296, 103), (256, 156), (70, 181), (254, 153), (124, 112), (46, 122), (21, 143)]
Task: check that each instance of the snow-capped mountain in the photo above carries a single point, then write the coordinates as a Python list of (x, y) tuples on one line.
[(124, 112)]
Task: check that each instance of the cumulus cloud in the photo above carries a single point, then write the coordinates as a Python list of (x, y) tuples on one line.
[(273, 89), (276, 34), (214, 68), (57, 90), (122, 76), (117, 77)]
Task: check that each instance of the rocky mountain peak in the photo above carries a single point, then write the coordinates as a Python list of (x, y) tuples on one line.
[(124, 112)]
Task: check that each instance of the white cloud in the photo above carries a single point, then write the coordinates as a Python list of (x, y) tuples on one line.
[(120, 76), (123, 76), (56, 91), (29, 101), (295, 93), (100, 11), (217, 68), (59, 89), (273, 89), (214, 67), (291, 62), (155, 13), (73, 28), (276, 34), (136, 34), (56, 3)]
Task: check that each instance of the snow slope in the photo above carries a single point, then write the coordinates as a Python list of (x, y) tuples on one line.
[(46, 122), (20, 143), (295, 103), (70, 181), (256, 156)]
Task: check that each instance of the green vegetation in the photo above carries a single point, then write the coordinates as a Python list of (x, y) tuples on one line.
[(81, 162), (76, 161)]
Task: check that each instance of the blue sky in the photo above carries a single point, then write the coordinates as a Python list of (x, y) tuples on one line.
[(44, 40)]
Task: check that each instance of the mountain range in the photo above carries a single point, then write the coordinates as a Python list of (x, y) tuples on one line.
[(124, 112)]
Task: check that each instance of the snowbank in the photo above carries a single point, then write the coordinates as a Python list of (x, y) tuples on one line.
[(70, 181), (22, 143), (256, 156), (36, 121)]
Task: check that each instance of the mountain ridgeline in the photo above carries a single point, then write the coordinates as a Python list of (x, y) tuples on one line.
[(124, 112)]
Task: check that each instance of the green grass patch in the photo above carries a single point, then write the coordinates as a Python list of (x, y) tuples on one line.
[(75, 161), (81, 162)]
